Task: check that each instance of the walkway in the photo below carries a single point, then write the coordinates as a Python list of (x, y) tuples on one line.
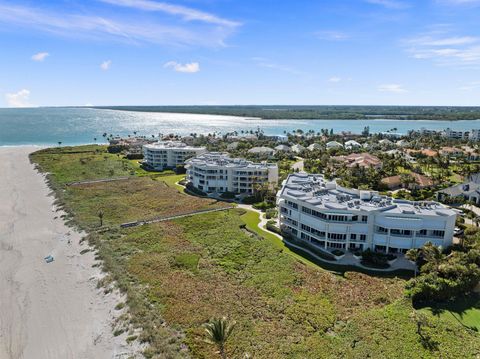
[(346, 260), (298, 165), (98, 181), (169, 218)]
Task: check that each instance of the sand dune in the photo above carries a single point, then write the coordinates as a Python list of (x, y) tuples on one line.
[(49, 310)]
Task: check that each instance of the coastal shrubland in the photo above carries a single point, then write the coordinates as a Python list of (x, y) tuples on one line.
[(177, 275)]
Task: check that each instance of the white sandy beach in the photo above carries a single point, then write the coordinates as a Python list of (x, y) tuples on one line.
[(49, 310)]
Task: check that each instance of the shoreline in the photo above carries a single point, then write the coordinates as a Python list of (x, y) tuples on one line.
[(49, 310)]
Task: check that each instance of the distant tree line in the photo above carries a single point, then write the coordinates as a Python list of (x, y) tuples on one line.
[(322, 112)]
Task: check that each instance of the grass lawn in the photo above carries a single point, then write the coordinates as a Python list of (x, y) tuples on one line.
[(178, 274), (464, 310)]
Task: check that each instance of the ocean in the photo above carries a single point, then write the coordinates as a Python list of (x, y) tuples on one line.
[(74, 126)]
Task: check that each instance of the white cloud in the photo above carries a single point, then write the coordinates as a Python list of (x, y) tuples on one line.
[(445, 49), (115, 26), (332, 35), (18, 99), (334, 79), (393, 88), (40, 56), (105, 65), (390, 4), (191, 67), (186, 13)]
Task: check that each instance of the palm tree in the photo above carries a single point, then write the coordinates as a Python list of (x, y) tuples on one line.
[(432, 254), (413, 255), (217, 332)]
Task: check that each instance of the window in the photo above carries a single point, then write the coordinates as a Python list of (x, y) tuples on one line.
[(353, 236), (292, 204), (363, 237), (337, 236), (306, 210), (364, 218), (354, 218), (401, 232), (438, 233), (422, 232), (382, 229)]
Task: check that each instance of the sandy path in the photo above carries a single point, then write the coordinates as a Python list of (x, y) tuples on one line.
[(46, 310)]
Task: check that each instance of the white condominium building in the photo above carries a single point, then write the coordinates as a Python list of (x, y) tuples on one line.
[(168, 154), (333, 217), (217, 173)]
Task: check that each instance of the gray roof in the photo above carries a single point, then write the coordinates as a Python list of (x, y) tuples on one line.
[(315, 190), (462, 189)]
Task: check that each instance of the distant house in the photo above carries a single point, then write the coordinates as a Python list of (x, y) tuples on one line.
[(315, 146), (334, 144), (385, 142), (277, 138), (471, 154), (233, 146), (282, 148), (297, 149), (469, 190), (352, 144), (365, 160), (450, 151), (426, 152), (261, 151), (420, 181), (189, 140), (402, 143)]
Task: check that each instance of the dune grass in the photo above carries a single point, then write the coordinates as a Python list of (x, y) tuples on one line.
[(179, 274)]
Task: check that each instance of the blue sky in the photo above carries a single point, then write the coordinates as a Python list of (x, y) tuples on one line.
[(219, 52)]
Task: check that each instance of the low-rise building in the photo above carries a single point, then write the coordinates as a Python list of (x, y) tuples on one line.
[(168, 154), (282, 148), (365, 160), (352, 144), (450, 151), (468, 191), (418, 181), (456, 135), (333, 144), (297, 149), (315, 146), (216, 172), (333, 217), (261, 151)]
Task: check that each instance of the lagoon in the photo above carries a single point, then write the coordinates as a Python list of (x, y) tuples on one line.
[(74, 126)]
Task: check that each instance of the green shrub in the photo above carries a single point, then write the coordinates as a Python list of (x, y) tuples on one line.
[(196, 191), (271, 226), (263, 206), (338, 252), (271, 213), (228, 195), (374, 259)]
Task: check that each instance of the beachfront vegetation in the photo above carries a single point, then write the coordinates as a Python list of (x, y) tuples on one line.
[(179, 274)]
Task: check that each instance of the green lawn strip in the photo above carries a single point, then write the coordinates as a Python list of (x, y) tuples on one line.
[(172, 180), (465, 310), (252, 219)]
